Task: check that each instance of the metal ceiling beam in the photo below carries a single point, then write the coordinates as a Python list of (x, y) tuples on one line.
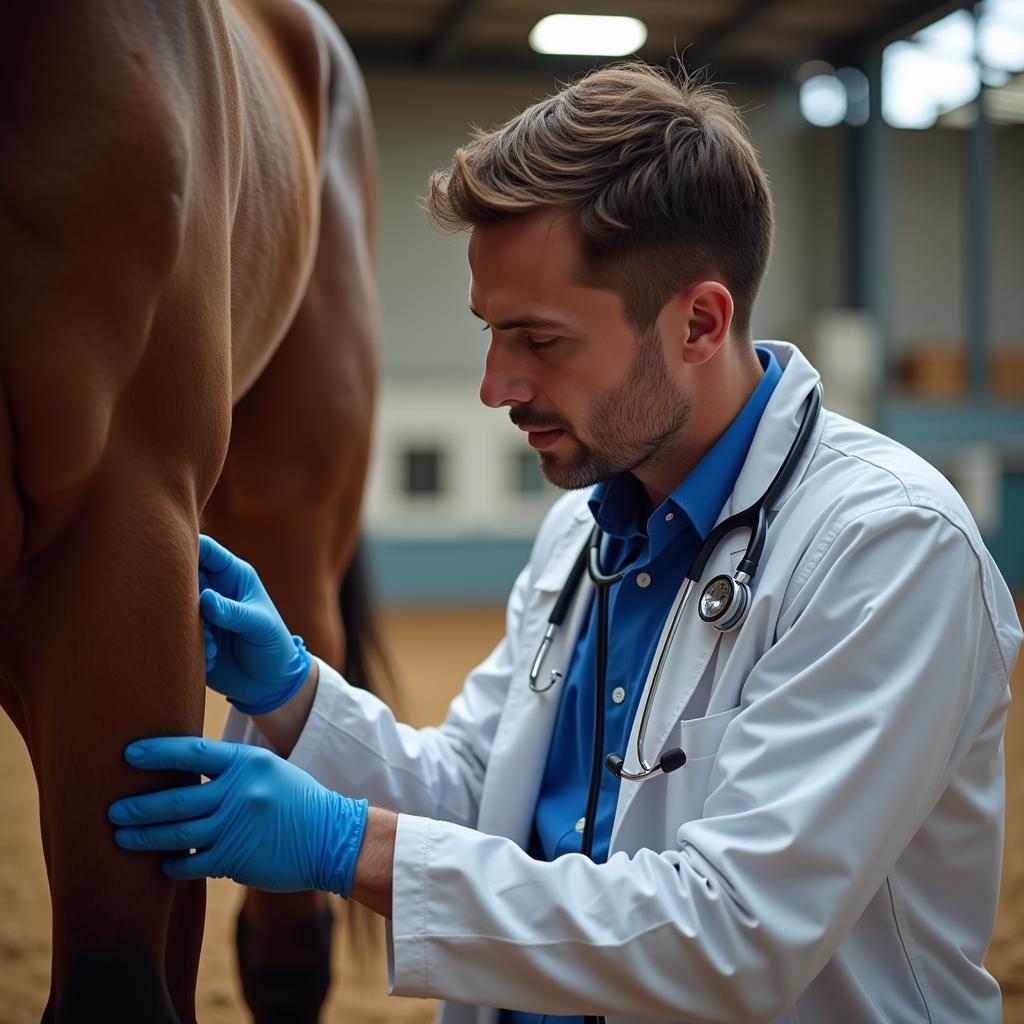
[(448, 41), (390, 57), (717, 39), (908, 18)]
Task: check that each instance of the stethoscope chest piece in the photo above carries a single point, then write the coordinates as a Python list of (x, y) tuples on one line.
[(724, 602)]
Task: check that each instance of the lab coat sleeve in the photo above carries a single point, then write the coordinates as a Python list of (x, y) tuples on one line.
[(352, 742), (851, 725)]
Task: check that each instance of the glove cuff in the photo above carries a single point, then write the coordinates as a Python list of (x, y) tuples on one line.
[(345, 839), (294, 676)]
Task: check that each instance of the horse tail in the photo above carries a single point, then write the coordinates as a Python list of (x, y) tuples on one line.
[(366, 664)]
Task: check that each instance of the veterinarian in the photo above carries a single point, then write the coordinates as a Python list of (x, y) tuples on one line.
[(740, 772)]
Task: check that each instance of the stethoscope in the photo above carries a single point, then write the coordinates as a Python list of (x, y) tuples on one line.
[(723, 605)]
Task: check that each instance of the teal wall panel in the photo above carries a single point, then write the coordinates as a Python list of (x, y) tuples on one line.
[(1007, 546), (931, 429), (471, 569), (483, 569)]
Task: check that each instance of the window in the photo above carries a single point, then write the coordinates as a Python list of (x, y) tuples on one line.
[(423, 472), (528, 479), (942, 68)]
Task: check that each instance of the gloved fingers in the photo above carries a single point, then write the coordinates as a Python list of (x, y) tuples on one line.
[(182, 753), (214, 557), (180, 804), (198, 834), (188, 867), (223, 612)]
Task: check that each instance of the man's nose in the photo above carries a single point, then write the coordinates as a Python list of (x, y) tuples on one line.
[(506, 380)]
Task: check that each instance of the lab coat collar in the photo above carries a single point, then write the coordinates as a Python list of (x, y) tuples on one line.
[(777, 429), (695, 640), (552, 577), (521, 743)]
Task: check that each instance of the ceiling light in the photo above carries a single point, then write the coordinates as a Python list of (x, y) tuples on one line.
[(588, 34), (823, 100)]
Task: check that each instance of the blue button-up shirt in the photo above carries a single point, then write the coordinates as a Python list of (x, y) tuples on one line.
[(658, 550)]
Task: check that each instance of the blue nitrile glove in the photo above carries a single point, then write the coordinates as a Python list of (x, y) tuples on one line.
[(250, 656), (261, 821)]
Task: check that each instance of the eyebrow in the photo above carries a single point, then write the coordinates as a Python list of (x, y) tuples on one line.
[(522, 321)]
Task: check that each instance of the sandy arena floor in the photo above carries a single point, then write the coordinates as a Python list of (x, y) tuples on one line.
[(432, 651)]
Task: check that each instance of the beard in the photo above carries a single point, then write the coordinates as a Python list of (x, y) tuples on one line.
[(632, 425)]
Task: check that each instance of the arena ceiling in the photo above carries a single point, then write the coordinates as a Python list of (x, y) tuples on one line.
[(740, 39)]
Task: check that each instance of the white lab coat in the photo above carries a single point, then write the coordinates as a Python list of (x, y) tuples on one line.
[(831, 849)]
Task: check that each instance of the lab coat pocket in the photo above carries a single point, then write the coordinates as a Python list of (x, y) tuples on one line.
[(687, 787)]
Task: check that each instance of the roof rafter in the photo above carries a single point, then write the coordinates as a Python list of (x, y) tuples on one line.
[(449, 39), (384, 56), (714, 41)]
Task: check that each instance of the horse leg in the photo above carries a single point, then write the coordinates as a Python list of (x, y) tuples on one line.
[(106, 647), (299, 548), (288, 501)]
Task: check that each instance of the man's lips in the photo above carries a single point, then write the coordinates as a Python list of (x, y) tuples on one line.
[(541, 439)]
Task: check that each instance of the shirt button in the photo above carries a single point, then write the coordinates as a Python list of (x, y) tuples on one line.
[(618, 695), (580, 824), (643, 579), (669, 516)]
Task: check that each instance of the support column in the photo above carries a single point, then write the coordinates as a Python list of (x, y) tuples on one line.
[(867, 213), (979, 231)]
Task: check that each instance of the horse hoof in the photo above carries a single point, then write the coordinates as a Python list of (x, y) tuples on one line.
[(285, 991)]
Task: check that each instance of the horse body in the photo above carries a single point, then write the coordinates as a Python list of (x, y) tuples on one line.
[(185, 201)]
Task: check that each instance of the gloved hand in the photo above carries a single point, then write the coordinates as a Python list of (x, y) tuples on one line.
[(250, 656), (261, 821)]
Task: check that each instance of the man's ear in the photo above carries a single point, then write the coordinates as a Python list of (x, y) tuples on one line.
[(704, 316)]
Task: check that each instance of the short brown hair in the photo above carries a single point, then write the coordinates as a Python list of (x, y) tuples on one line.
[(657, 171)]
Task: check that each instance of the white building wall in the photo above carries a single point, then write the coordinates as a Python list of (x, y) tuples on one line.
[(479, 495)]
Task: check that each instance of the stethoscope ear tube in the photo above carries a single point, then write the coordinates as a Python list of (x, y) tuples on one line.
[(556, 618)]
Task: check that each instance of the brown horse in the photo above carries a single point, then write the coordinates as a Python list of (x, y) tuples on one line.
[(186, 198)]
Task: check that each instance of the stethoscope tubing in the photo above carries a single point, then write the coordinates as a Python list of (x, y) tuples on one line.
[(648, 771), (754, 518), (600, 685)]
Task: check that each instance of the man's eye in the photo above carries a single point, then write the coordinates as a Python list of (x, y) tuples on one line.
[(535, 343)]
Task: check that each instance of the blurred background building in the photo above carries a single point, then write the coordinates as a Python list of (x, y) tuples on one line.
[(893, 135)]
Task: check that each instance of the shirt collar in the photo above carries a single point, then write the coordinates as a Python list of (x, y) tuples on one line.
[(618, 504)]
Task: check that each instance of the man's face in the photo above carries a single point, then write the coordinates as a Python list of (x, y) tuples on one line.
[(595, 399)]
